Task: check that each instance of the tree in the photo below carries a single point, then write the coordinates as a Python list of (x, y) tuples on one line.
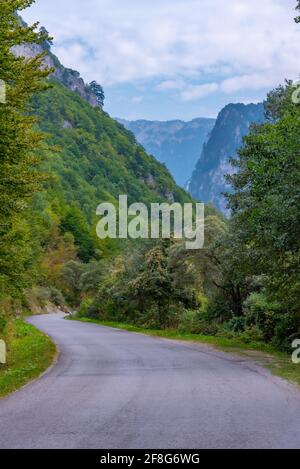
[(19, 141), (81, 280), (278, 101), (166, 282), (297, 19), (72, 273), (266, 201), (153, 286), (98, 92), (75, 223), (48, 41), (223, 266)]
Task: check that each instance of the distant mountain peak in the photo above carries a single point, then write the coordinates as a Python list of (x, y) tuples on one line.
[(176, 143), (233, 123)]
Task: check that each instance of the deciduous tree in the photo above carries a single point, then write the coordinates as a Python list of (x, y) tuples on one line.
[(19, 141)]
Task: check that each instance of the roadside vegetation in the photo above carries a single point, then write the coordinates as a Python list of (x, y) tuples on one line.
[(29, 353), (263, 354), (60, 158)]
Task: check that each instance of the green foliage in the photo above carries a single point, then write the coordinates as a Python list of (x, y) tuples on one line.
[(193, 322), (259, 311), (80, 280), (152, 285), (96, 159), (98, 91), (93, 159), (266, 220), (245, 282), (56, 297), (75, 223), (19, 178), (29, 353), (266, 204), (278, 101), (236, 324), (72, 272), (83, 309)]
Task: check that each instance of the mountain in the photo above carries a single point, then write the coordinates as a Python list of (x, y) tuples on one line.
[(66, 76), (233, 123), (177, 144), (90, 158)]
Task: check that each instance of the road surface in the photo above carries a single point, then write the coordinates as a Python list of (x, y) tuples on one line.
[(113, 389)]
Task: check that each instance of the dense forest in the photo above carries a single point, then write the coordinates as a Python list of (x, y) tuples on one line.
[(60, 157)]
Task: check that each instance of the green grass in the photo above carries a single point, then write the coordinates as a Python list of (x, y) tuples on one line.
[(265, 355), (29, 353)]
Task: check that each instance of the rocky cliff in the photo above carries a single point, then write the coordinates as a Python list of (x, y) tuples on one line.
[(66, 76), (233, 123)]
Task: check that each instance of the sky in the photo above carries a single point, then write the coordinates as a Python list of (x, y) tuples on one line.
[(174, 59)]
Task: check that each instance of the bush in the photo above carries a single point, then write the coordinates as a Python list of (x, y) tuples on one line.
[(236, 324), (193, 322), (56, 297), (41, 296), (217, 310), (286, 330), (262, 313), (189, 322), (251, 334), (84, 308)]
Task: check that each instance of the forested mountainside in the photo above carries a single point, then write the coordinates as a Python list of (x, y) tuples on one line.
[(176, 143), (232, 125), (92, 159), (87, 158)]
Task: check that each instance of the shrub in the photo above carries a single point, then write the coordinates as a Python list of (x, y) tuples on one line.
[(236, 324), (286, 330), (189, 322), (262, 313), (56, 297), (251, 334), (217, 310), (84, 308), (193, 322)]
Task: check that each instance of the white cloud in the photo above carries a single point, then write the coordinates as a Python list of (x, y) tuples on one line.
[(171, 85), (199, 91), (137, 99), (236, 43)]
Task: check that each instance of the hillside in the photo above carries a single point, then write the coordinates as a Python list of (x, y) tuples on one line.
[(95, 160), (175, 143), (233, 124)]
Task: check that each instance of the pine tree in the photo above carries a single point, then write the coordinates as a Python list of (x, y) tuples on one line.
[(297, 19), (98, 92)]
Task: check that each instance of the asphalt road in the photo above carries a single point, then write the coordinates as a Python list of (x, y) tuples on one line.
[(114, 389)]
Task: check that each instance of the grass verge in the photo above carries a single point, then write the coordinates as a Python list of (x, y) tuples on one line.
[(265, 355), (29, 353)]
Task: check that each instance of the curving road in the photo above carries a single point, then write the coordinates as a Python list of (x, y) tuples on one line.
[(114, 389)]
